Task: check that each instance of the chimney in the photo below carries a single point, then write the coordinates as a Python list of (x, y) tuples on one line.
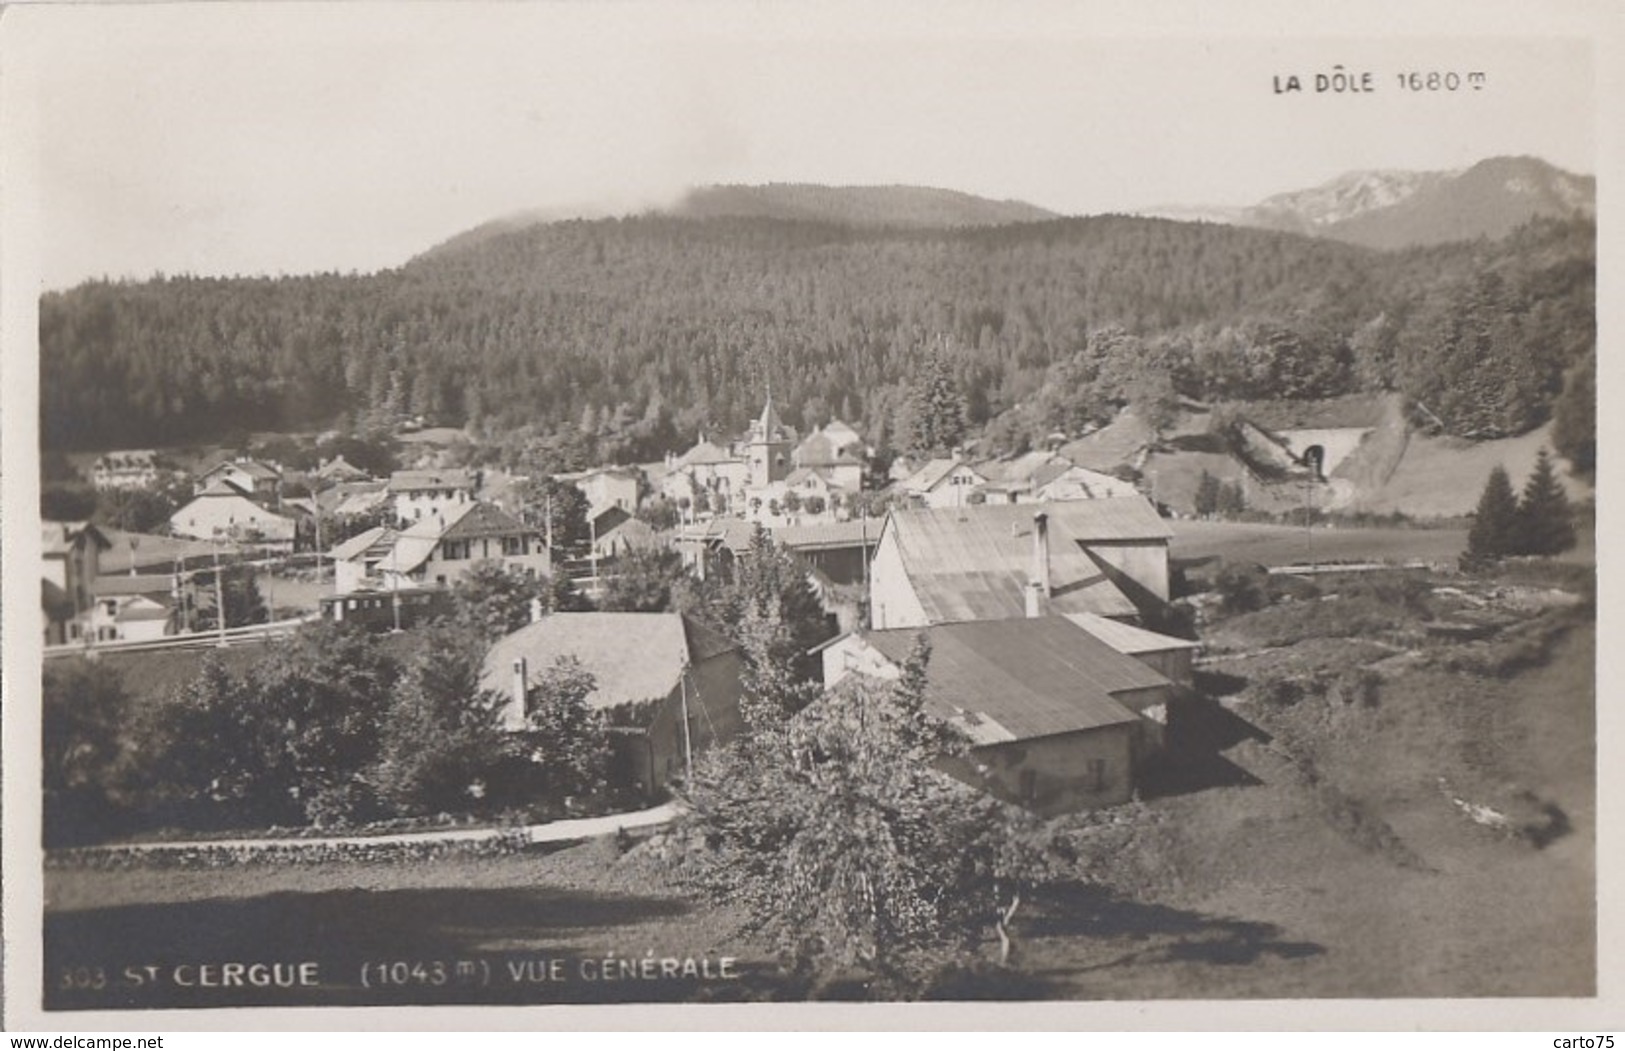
[(519, 677), (1040, 573)]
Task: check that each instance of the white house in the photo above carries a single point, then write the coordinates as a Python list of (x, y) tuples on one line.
[(416, 495), (607, 487), (223, 511), (256, 479), (125, 469), (441, 548), (943, 482)]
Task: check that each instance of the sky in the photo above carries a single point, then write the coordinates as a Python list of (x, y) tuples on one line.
[(234, 138)]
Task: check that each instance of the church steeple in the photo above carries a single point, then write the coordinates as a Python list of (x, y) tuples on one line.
[(769, 446)]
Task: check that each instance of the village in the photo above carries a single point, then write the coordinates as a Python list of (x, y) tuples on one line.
[(966, 551)]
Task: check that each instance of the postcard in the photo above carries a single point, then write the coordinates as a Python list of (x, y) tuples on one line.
[(553, 513)]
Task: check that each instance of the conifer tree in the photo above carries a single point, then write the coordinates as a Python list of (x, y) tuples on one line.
[(1545, 523), (1495, 523), (936, 410)]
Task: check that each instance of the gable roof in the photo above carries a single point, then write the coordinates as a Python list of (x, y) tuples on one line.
[(857, 532), (931, 475), (224, 487), (431, 481), (253, 468), (58, 538), (480, 519), (1126, 638), (821, 450), (380, 536), (1011, 680), (634, 657), (706, 454), (973, 563)]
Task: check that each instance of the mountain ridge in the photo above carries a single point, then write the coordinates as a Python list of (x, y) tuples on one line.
[(1397, 208)]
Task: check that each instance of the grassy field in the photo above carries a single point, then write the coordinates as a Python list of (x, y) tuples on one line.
[(1279, 545), (1308, 849)]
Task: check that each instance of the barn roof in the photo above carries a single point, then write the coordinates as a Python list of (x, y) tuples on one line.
[(974, 563), (1011, 680), (634, 657), (1126, 638)]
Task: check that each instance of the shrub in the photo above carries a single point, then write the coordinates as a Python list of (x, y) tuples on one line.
[(1242, 588), (1278, 693), (1356, 686)]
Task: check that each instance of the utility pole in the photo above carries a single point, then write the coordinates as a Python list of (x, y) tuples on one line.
[(219, 600)]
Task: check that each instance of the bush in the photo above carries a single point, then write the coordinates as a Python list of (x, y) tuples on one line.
[(1278, 693), (1356, 686), (1242, 588)]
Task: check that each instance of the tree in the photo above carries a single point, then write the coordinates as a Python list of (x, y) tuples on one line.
[(1207, 494), (568, 739), (245, 602), (441, 739), (642, 581), (557, 508), (1574, 429), (1494, 533), (850, 848), (83, 721), (494, 599), (1231, 498), (1545, 523), (936, 409), (776, 619), (289, 739)]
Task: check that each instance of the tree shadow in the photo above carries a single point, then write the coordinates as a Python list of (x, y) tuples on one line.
[(345, 930), (1076, 910)]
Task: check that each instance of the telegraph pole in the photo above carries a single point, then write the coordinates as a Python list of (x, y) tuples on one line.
[(219, 599)]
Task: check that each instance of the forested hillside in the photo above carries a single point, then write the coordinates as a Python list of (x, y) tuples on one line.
[(643, 330)]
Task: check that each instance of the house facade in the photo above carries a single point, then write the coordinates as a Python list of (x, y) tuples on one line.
[(668, 687), (943, 482), (440, 549), (224, 512), (71, 564), (257, 479), (125, 469), (416, 495), (1057, 720), (606, 488)]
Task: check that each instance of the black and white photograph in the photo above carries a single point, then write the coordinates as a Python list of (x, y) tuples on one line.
[(578, 505)]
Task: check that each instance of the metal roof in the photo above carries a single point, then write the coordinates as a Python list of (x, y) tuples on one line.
[(125, 584), (974, 563), (1126, 638), (633, 656), (1008, 680), (431, 481)]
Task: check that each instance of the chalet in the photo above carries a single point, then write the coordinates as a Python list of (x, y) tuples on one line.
[(835, 453), (416, 495), (356, 561), (943, 482), (1058, 721), (225, 511), (126, 469), (258, 480), (624, 538), (668, 686), (440, 548), (1005, 561), (607, 487), (71, 564), (338, 469)]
